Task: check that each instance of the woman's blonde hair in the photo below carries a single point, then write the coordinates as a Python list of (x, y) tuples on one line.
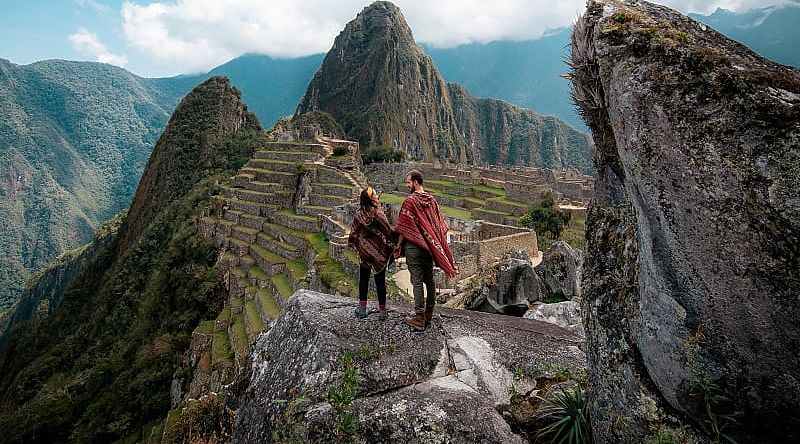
[(367, 196)]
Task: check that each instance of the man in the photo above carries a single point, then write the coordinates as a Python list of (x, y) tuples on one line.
[(422, 234)]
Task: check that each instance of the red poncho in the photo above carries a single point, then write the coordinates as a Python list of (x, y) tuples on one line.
[(421, 223), (371, 236)]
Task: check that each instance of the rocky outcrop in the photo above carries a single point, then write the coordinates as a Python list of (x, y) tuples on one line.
[(566, 314), (691, 276), (385, 91), (441, 385), (560, 271), (504, 287), (186, 150)]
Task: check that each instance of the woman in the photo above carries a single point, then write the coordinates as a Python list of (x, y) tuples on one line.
[(371, 236)]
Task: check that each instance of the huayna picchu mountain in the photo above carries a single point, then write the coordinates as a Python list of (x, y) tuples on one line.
[(385, 91), (99, 368)]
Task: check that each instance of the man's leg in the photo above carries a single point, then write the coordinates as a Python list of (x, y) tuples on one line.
[(430, 286), (416, 270)]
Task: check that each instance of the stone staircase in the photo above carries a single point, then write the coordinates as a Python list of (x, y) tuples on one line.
[(268, 239)]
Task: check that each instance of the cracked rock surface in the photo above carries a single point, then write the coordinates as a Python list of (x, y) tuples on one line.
[(440, 385)]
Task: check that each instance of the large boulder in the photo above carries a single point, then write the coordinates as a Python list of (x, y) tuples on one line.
[(566, 314), (441, 385), (504, 287), (560, 271), (692, 274)]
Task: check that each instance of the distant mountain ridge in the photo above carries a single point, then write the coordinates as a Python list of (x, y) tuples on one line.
[(74, 138)]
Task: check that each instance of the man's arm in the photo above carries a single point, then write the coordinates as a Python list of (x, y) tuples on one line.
[(399, 245)]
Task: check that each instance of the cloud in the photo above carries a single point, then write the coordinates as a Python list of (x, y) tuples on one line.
[(98, 7), (86, 42), (196, 35)]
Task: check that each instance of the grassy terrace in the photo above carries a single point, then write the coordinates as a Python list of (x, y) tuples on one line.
[(205, 327), (256, 325), (268, 304), (290, 213), (221, 347), (508, 201), (458, 213), (283, 286), (331, 271)]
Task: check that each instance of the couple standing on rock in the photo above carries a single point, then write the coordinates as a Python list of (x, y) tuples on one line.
[(420, 234)]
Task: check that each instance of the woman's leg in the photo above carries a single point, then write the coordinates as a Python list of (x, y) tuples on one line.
[(363, 284), (380, 287)]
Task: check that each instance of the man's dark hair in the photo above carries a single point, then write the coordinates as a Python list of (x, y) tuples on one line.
[(415, 175)]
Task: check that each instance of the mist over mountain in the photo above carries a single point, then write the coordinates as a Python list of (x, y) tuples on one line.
[(772, 32)]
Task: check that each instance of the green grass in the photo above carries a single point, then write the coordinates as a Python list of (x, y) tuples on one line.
[(205, 327), (318, 243), (240, 335), (225, 314), (268, 304), (287, 152), (488, 189), (221, 347), (486, 210), (257, 273), (237, 303), (515, 203), (458, 213), (290, 213), (298, 268), (392, 198), (283, 286), (342, 157), (352, 256), (253, 318)]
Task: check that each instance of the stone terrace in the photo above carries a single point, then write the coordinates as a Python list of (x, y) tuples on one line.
[(282, 225)]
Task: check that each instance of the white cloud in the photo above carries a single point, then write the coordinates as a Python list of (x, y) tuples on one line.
[(98, 7), (86, 42), (195, 35)]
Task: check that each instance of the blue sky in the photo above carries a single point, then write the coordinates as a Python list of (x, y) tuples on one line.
[(169, 37)]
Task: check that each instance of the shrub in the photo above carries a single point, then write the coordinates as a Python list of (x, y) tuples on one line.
[(566, 418), (383, 154), (340, 151)]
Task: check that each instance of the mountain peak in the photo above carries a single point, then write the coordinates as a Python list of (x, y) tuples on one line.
[(187, 149)]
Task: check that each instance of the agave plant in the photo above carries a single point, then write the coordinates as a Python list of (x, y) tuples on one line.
[(565, 416)]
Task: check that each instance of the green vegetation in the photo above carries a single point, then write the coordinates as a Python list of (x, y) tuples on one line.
[(717, 410), (342, 394), (381, 154), (289, 429), (664, 434), (100, 369), (326, 121), (544, 219), (207, 420), (565, 416)]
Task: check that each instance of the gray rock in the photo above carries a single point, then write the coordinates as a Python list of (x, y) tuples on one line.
[(560, 271), (504, 287), (440, 385), (565, 314), (692, 271)]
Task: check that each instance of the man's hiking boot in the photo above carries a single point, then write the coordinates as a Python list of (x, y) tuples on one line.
[(361, 312), (428, 316), (382, 315), (416, 321)]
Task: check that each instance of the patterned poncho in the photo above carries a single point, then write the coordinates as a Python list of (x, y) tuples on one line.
[(421, 223), (371, 236)]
